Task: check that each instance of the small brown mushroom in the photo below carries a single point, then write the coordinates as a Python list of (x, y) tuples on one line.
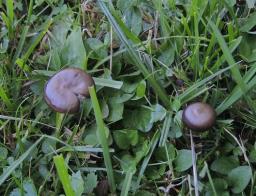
[(199, 116), (65, 89)]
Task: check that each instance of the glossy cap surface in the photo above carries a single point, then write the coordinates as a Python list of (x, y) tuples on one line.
[(199, 116), (65, 89)]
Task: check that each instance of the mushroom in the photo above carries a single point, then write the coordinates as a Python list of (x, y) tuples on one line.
[(199, 116), (66, 88)]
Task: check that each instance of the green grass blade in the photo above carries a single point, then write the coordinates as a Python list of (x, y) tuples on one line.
[(30, 9), (235, 71), (237, 93), (165, 129), (25, 120), (236, 75), (124, 28), (184, 97), (108, 83), (159, 91), (145, 162), (210, 179), (37, 41), (23, 34), (7, 23), (10, 15), (16, 163), (10, 11), (127, 182), (102, 138), (233, 46), (63, 175), (195, 57), (4, 97)]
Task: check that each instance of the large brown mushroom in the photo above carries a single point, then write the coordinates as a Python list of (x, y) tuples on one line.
[(199, 116), (65, 89)]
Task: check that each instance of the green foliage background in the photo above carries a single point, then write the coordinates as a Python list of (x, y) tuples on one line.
[(149, 59)]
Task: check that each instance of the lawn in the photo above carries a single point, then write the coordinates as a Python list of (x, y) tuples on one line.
[(146, 62)]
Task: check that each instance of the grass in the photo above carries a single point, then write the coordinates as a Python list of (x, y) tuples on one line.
[(63, 174), (101, 133), (149, 59)]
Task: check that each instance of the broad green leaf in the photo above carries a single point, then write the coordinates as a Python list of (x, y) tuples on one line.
[(142, 150), (55, 60), (59, 32), (252, 155), (220, 186), (167, 56), (77, 183), (239, 178), (183, 160), (73, 52), (29, 187), (155, 172), (125, 138), (138, 119), (136, 21), (224, 165), (44, 172), (123, 4), (247, 48), (115, 111), (104, 108), (248, 23), (165, 154), (250, 3), (158, 113), (128, 162), (176, 127), (16, 192), (90, 182), (98, 47), (3, 153), (120, 97), (130, 86), (141, 89), (91, 137), (48, 145)]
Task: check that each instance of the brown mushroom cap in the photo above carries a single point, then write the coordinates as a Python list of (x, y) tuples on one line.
[(65, 89), (199, 116)]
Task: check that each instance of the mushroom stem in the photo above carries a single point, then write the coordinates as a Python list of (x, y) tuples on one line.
[(194, 164)]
